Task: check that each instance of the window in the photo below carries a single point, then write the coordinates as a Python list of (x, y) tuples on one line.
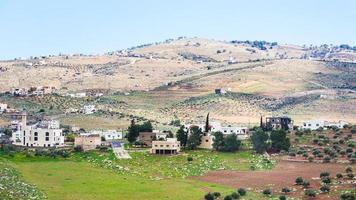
[(47, 133), (36, 134), (47, 138), (167, 145), (206, 140), (36, 138)]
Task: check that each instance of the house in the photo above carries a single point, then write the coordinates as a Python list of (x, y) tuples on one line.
[(313, 124), (339, 124), (89, 109), (19, 92), (220, 91), (284, 123), (165, 147), (147, 137), (3, 107), (316, 124), (41, 134), (112, 135), (87, 142)]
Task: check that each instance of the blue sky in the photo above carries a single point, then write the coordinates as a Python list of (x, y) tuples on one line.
[(42, 27)]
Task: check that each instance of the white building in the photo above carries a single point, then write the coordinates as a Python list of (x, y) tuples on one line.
[(313, 124), (3, 107), (89, 109), (37, 135), (339, 124), (112, 135), (169, 146)]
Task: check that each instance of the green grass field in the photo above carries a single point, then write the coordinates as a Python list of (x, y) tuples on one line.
[(87, 175)]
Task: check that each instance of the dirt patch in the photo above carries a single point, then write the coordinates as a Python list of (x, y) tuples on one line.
[(282, 175)]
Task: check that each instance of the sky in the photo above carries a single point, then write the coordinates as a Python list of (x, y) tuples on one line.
[(50, 27)]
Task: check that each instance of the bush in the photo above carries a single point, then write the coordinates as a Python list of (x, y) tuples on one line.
[(339, 175), (299, 180), (285, 190), (310, 193), (325, 188), (310, 159), (235, 195), (78, 149), (326, 180), (350, 175), (348, 169), (242, 191), (228, 197), (324, 174), (347, 196), (306, 184), (327, 159), (190, 159), (282, 197), (267, 192), (209, 196), (216, 194)]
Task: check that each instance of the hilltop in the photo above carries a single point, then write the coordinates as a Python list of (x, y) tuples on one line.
[(177, 79)]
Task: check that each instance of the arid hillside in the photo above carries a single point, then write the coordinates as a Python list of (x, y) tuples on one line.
[(178, 78)]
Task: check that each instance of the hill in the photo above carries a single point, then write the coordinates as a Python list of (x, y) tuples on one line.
[(177, 79)]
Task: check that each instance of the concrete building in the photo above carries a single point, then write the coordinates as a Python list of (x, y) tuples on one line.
[(285, 123), (165, 147), (87, 142), (112, 135), (147, 137), (339, 124), (313, 124), (89, 109), (41, 134)]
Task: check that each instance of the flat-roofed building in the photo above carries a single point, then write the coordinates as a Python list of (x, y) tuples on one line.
[(169, 146)]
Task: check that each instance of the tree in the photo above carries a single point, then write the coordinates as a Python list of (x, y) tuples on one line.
[(182, 136), (8, 132), (231, 143), (145, 127), (194, 139), (209, 196), (242, 191), (259, 140), (279, 140), (134, 131), (218, 141)]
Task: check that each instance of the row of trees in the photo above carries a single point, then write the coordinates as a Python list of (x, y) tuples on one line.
[(274, 141), (192, 140)]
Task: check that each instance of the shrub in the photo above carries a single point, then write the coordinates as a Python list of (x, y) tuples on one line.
[(285, 190), (339, 175), (228, 197), (292, 154), (349, 150), (78, 149), (310, 159), (347, 196), (216, 194), (209, 196), (306, 184), (324, 174), (325, 188), (190, 159), (310, 193), (282, 197), (348, 169), (350, 175), (299, 180), (327, 159), (242, 191), (305, 155), (267, 192), (326, 180), (235, 195)]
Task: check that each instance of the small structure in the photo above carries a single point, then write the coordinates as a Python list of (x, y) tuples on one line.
[(3, 107), (220, 91), (313, 124), (87, 142), (339, 124), (284, 123), (166, 147), (112, 135), (89, 109), (147, 137)]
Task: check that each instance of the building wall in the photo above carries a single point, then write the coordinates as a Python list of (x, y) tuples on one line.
[(38, 137), (87, 142), (171, 144)]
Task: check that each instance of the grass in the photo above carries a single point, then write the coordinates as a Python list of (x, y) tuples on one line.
[(150, 177)]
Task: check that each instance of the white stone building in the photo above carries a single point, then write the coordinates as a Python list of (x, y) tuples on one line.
[(3, 107), (313, 124), (42, 134), (112, 135), (89, 109)]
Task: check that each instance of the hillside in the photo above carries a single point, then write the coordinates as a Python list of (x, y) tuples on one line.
[(177, 78)]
